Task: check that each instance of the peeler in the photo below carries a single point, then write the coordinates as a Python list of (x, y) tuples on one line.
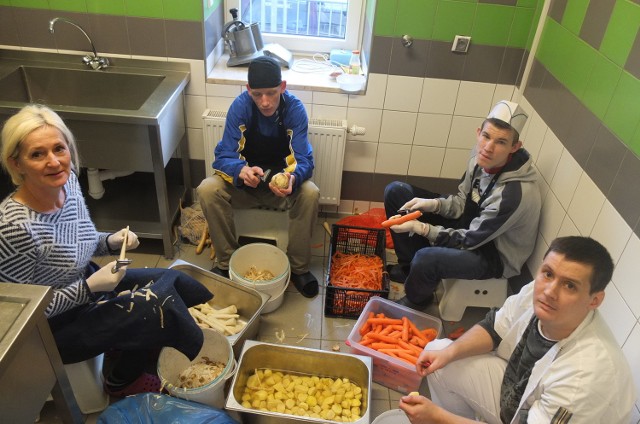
[(122, 260)]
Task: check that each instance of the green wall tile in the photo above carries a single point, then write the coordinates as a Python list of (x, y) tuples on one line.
[(553, 43), (602, 84), (385, 21), (622, 115), (416, 17), (537, 15), (34, 4), (111, 7), (492, 24), (527, 3), (69, 5), (621, 31), (144, 8), (453, 18), (635, 142), (182, 10), (5, 2), (521, 28), (578, 64), (574, 15)]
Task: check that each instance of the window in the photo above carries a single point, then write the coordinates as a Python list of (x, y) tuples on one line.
[(304, 25)]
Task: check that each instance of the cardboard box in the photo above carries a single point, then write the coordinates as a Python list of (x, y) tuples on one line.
[(391, 372)]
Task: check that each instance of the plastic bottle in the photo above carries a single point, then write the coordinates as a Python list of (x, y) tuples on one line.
[(354, 63)]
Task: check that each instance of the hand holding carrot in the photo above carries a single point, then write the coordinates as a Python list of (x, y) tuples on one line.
[(424, 205)]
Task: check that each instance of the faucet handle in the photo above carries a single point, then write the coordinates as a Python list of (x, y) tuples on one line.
[(95, 62)]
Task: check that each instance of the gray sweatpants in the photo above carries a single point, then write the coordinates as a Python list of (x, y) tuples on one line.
[(218, 199)]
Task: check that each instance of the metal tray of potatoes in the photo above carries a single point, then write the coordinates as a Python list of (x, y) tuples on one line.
[(297, 361), (249, 302)]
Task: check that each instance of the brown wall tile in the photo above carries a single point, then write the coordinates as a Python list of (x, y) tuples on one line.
[(184, 39), (380, 55), (582, 136), (109, 33), (443, 63), (8, 28), (556, 9), (68, 37), (625, 190), (146, 36), (409, 61), (33, 28), (604, 161), (483, 63), (596, 21), (513, 64)]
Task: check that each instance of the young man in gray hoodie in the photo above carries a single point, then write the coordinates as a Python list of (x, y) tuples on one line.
[(486, 230)]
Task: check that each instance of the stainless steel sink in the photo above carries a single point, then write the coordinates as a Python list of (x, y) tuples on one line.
[(81, 88)]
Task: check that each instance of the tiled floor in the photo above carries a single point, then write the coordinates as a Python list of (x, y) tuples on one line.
[(302, 319)]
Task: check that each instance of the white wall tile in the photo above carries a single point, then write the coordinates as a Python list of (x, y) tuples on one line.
[(392, 158), (360, 156), (568, 228), (196, 143), (370, 119), (398, 127), (551, 217), (566, 178), (197, 78), (503, 92), (303, 95), (426, 161), (328, 112), (625, 275), (403, 93), (439, 96), (374, 97), (463, 132), (543, 186), (631, 350), (474, 99), (432, 130), (455, 163), (533, 135), (195, 107), (219, 103), (617, 314), (330, 99), (586, 204), (611, 230), (549, 157), (534, 261), (223, 90)]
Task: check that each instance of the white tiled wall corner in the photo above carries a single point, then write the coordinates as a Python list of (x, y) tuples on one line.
[(631, 350), (398, 127), (219, 103), (566, 178), (369, 119), (432, 130), (392, 158), (534, 135), (586, 204), (439, 96), (617, 314), (534, 261), (360, 156), (196, 143), (330, 99), (403, 93), (328, 112), (426, 161), (223, 90), (549, 157), (551, 217), (374, 97), (197, 78), (625, 275), (474, 99), (455, 163), (503, 92), (195, 106), (463, 132), (567, 228), (611, 230), (303, 96), (543, 186)]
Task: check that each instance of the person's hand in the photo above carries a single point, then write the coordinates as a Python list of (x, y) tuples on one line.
[(115, 240), (429, 361), (104, 280), (250, 175), (283, 192), (419, 204), (411, 227), (419, 409)]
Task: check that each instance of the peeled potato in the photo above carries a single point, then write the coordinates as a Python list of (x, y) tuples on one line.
[(280, 180)]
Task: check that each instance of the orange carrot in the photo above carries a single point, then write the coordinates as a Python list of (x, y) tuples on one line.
[(410, 347), (405, 329), (384, 321), (379, 346), (386, 339), (367, 325), (366, 342), (417, 332), (430, 333), (401, 219)]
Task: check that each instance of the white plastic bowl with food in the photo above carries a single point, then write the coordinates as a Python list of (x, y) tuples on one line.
[(350, 82)]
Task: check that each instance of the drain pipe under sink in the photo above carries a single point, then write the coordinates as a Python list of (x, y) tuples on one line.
[(96, 177)]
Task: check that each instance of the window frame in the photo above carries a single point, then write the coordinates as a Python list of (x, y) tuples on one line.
[(307, 44)]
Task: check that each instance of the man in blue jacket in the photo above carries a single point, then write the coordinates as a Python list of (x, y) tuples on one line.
[(265, 134)]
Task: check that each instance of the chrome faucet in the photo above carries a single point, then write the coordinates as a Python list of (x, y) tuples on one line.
[(94, 62)]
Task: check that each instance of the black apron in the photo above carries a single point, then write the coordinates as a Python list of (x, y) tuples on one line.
[(267, 152)]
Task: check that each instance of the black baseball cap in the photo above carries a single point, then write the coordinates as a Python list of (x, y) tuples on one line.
[(264, 72)]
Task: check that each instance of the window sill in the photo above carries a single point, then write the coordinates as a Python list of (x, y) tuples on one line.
[(304, 81)]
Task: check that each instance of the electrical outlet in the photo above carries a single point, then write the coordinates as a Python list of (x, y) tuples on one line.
[(461, 44)]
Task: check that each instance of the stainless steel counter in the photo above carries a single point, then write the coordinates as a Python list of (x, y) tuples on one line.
[(30, 365)]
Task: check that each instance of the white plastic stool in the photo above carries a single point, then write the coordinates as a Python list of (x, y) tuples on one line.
[(458, 294), (86, 382), (264, 224)]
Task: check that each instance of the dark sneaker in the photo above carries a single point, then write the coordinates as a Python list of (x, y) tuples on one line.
[(306, 284), (221, 272), (398, 272), (404, 301)]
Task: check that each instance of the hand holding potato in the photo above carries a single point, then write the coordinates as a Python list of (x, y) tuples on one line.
[(282, 184)]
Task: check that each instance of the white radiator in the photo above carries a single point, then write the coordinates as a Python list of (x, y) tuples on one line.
[(327, 136)]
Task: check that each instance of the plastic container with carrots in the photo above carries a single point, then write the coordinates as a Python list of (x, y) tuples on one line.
[(392, 372)]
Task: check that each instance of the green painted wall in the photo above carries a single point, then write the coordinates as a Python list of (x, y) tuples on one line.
[(442, 20), (186, 10), (597, 76)]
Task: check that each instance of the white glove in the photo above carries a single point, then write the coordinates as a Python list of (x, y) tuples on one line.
[(412, 227), (104, 279), (115, 240), (424, 205)]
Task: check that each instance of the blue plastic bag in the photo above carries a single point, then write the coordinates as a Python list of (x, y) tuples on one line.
[(148, 408)]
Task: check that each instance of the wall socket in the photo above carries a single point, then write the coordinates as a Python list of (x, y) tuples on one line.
[(461, 44)]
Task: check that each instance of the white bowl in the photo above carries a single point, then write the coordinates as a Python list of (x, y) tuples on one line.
[(350, 82)]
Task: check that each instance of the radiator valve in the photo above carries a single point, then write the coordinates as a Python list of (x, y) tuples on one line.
[(356, 130)]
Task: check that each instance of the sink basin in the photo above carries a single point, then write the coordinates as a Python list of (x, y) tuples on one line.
[(72, 87)]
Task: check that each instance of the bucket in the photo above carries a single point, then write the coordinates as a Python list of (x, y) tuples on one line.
[(172, 362), (264, 257), (394, 416)]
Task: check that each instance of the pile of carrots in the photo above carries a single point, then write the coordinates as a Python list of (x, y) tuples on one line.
[(399, 338), (354, 271)]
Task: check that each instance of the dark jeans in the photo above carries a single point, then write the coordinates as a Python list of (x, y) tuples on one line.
[(429, 264)]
